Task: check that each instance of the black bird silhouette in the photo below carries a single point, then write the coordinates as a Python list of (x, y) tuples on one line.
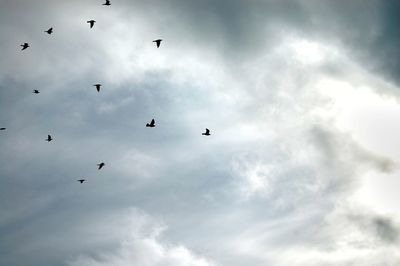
[(49, 31), (158, 42), (207, 133), (107, 3), (36, 92), (97, 87), (100, 165), (49, 138), (2, 128), (152, 123), (81, 180), (91, 22), (24, 46)]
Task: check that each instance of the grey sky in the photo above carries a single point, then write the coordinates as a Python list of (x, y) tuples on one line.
[(301, 168)]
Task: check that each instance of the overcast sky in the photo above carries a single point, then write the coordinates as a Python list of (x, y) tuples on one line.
[(301, 168)]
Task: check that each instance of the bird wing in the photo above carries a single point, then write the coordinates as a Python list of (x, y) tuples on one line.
[(207, 131), (157, 42), (152, 121)]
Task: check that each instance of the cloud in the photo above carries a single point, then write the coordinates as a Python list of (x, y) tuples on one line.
[(383, 228), (284, 86), (141, 245)]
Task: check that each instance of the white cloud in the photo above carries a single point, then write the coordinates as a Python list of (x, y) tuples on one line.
[(142, 245)]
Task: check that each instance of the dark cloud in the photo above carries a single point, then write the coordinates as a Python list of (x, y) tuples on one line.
[(383, 228), (385, 45), (386, 230), (368, 30)]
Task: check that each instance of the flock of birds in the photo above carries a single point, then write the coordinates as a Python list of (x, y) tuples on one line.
[(98, 86)]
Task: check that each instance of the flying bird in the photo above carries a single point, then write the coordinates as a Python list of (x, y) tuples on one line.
[(158, 42), (2, 128), (152, 123), (207, 133), (49, 31), (81, 180), (97, 87), (24, 46), (107, 3), (91, 22), (49, 138), (100, 165), (36, 92)]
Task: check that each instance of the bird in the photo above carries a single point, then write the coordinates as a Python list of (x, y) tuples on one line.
[(49, 31), (207, 133), (152, 123), (107, 3), (158, 42), (100, 165), (49, 138), (36, 92), (24, 46), (81, 180), (91, 22), (2, 128), (97, 87)]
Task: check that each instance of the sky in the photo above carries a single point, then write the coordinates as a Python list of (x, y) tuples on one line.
[(302, 99)]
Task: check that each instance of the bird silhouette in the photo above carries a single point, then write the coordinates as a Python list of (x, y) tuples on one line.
[(2, 128), (81, 180), (36, 92), (97, 87), (49, 138), (49, 31), (107, 3), (24, 46), (207, 133), (158, 42), (91, 22), (100, 165), (152, 123)]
